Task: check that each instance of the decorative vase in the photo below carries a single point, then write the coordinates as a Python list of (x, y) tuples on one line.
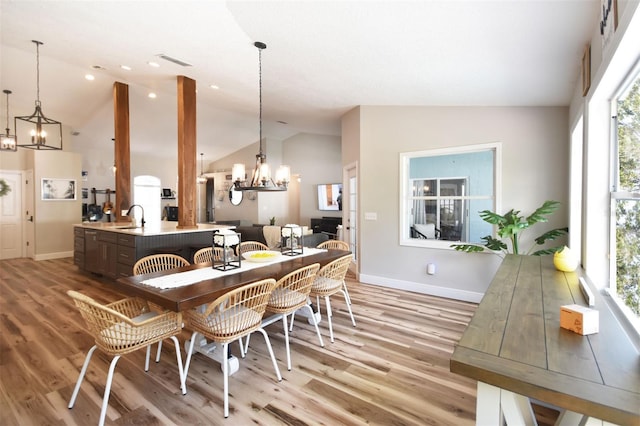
[(565, 260)]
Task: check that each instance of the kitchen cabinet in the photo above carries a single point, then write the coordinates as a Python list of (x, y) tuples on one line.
[(78, 247), (101, 252)]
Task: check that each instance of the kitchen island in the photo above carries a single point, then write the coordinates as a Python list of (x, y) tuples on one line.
[(111, 249)]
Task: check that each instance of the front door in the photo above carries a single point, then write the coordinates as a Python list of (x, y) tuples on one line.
[(11, 238)]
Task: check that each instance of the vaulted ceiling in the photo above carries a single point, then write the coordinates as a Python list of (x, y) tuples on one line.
[(322, 59)]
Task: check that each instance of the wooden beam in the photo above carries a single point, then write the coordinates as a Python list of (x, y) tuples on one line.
[(122, 157), (186, 152)]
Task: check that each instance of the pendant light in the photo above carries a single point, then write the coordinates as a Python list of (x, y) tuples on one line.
[(202, 178), (261, 179), (7, 140), (44, 133)]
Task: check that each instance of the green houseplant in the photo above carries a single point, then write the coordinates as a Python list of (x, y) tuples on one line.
[(511, 226)]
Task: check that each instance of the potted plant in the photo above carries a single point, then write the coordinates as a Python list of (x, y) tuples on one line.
[(511, 226), (272, 221)]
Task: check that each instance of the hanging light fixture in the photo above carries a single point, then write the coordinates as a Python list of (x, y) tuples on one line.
[(202, 178), (44, 133), (261, 179), (7, 140)]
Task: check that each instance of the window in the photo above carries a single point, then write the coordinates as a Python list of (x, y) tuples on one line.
[(625, 196), (442, 192)]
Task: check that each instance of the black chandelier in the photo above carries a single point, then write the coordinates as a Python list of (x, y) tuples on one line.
[(7, 140), (261, 179), (44, 133)]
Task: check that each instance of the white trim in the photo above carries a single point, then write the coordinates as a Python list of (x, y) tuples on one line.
[(50, 256), (449, 293)]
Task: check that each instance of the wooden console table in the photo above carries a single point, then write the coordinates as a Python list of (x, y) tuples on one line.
[(515, 348)]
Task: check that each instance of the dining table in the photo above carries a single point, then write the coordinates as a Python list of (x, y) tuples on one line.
[(195, 285)]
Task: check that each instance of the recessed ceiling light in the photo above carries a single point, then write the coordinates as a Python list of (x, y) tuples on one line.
[(89, 77), (125, 67), (152, 95), (153, 64), (214, 87)]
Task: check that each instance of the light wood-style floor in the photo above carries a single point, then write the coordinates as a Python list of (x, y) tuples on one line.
[(392, 369)]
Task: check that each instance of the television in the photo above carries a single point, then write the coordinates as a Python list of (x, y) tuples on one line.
[(330, 196)]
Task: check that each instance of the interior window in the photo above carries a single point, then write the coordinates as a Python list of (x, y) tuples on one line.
[(442, 192)]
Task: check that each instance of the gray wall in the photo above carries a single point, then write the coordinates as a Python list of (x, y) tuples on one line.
[(534, 169)]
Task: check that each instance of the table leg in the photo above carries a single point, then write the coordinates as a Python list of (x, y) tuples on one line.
[(488, 410), (211, 350), (495, 406)]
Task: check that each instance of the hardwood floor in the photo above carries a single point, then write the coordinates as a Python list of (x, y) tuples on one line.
[(392, 369)]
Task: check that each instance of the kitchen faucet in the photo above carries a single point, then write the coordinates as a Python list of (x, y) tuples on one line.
[(141, 208)]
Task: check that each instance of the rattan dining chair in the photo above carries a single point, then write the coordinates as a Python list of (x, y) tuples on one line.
[(328, 282), (158, 262), (208, 254), (338, 245), (155, 263), (123, 327), (246, 246), (231, 317), (291, 293)]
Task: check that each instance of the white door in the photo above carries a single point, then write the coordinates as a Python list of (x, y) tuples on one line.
[(11, 239), (350, 205)]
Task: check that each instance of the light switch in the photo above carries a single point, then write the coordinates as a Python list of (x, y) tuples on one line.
[(370, 216)]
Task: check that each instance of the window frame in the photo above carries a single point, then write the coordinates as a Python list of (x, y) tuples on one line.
[(405, 183)]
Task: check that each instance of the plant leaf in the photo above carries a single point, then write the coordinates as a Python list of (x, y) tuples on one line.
[(551, 235), (493, 243), (545, 252), (492, 218), (545, 209), (468, 248)]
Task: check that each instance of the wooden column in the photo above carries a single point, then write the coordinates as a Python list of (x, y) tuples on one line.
[(186, 153), (121, 149)]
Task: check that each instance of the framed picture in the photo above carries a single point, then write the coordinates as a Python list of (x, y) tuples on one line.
[(586, 70), (54, 189)]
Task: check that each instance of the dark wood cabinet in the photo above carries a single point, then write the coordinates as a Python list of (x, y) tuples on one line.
[(113, 254), (100, 252)]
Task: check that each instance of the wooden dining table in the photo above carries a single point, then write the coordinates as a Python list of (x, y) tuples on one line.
[(206, 291)]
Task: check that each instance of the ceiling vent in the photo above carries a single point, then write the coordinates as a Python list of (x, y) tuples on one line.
[(174, 60)]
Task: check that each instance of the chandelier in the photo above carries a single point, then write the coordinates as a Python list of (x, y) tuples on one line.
[(44, 133), (261, 178), (7, 140)]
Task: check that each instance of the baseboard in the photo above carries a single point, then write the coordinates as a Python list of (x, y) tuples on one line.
[(449, 293), (49, 256)]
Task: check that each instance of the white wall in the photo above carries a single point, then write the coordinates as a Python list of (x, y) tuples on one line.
[(54, 219), (535, 145)]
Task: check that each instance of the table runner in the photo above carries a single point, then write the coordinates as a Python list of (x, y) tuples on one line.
[(190, 277)]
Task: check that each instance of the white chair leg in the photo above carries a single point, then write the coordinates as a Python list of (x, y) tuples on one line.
[(293, 316), (187, 362), (353, 320), (183, 385), (315, 324), (347, 297), (244, 348), (146, 358), (273, 357), (286, 340), (81, 376), (159, 351), (329, 315), (225, 374), (107, 390)]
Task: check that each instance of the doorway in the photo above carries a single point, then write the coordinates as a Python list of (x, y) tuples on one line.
[(350, 213)]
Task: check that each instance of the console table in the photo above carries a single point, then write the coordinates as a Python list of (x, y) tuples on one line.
[(515, 348)]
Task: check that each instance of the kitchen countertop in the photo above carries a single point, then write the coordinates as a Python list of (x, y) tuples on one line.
[(162, 228)]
